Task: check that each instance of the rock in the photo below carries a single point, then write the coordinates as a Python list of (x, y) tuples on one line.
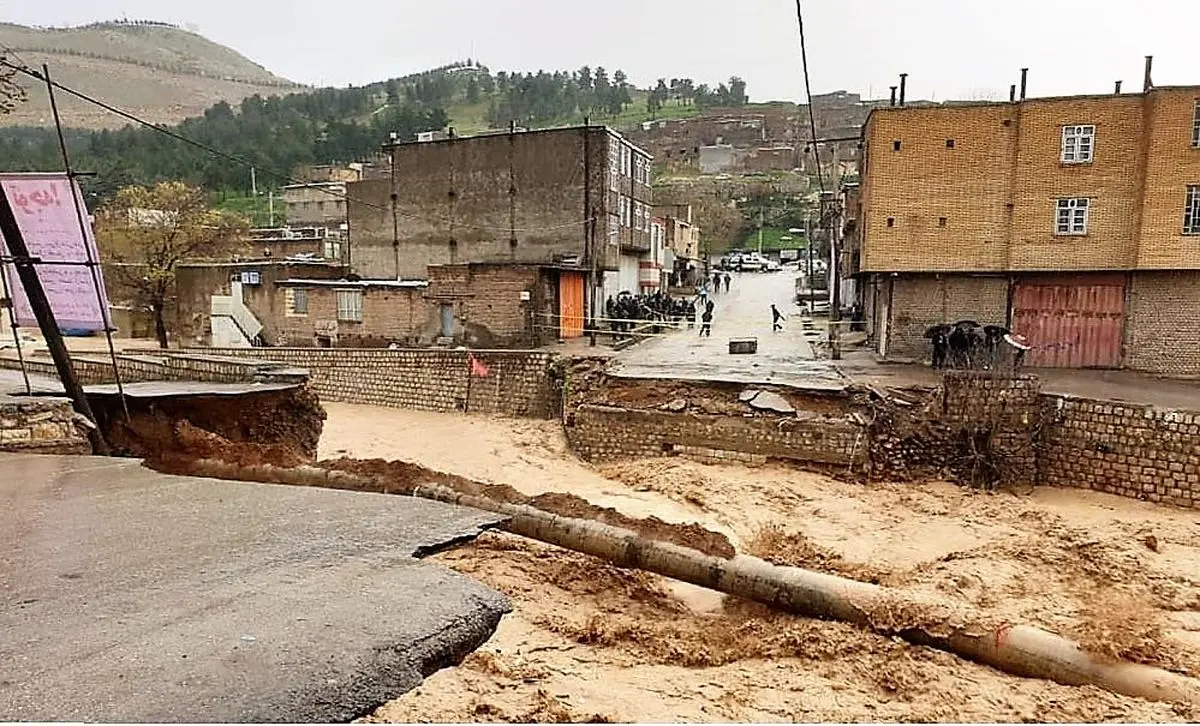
[(677, 406), (767, 401), (748, 395)]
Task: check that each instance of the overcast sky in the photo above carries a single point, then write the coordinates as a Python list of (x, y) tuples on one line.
[(950, 48)]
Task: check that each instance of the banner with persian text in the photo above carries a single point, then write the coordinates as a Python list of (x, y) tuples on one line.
[(49, 222)]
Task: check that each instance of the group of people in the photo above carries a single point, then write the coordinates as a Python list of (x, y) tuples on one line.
[(969, 345), (718, 278), (627, 311)]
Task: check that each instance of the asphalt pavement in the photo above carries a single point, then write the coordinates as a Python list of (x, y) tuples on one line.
[(132, 596), (784, 357)]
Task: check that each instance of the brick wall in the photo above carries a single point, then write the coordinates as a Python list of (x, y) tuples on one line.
[(600, 433), (1161, 332), (1129, 450), (518, 383), (40, 425), (1002, 413), (986, 202), (166, 367), (389, 315), (919, 301), (489, 311)]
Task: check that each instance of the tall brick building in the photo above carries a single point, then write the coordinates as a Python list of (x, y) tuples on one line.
[(1074, 221), (574, 200)]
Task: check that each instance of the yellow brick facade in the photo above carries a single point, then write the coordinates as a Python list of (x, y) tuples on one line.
[(974, 188)]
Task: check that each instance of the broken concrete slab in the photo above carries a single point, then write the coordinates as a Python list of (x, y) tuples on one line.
[(748, 395), (677, 405), (768, 401), (127, 595)]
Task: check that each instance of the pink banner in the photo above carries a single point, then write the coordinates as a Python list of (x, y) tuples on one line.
[(50, 225)]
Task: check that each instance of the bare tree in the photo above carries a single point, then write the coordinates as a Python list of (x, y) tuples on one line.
[(145, 232)]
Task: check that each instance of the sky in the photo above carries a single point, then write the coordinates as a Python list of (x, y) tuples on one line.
[(970, 49)]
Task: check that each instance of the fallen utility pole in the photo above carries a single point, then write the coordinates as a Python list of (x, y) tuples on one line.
[(40, 304), (1022, 650)]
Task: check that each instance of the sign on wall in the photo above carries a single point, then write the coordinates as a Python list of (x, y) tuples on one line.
[(49, 223)]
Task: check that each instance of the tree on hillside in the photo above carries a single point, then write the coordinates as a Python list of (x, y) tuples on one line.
[(145, 232)]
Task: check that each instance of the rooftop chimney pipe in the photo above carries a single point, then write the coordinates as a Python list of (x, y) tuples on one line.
[(893, 101), (1117, 88), (1024, 79), (1012, 93), (903, 84), (1146, 82)]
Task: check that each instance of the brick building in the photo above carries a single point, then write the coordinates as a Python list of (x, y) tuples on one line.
[(521, 198), (1075, 221)]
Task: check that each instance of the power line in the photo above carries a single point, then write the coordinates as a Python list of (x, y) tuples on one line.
[(812, 119), (241, 161)]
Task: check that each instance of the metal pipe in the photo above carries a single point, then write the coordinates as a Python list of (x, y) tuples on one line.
[(1012, 93), (903, 87), (1018, 649), (1117, 88), (1147, 84), (1024, 81), (892, 102)]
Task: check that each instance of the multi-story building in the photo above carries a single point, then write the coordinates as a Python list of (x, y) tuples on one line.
[(1073, 221), (574, 200)]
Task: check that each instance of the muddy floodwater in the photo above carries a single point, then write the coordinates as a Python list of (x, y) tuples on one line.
[(590, 642)]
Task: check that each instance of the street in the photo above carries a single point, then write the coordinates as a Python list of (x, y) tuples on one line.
[(784, 357)]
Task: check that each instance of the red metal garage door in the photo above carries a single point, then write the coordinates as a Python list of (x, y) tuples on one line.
[(1072, 321)]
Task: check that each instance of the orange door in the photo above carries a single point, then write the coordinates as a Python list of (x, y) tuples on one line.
[(1071, 321), (570, 303)]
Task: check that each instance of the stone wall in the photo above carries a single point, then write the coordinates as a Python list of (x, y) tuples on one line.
[(996, 417), (40, 426), (518, 382), (605, 433), (1125, 449)]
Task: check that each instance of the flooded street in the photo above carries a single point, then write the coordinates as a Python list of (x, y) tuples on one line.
[(588, 641)]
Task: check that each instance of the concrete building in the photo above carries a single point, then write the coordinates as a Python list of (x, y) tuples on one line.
[(1075, 221), (681, 239), (574, 201), (316, 204), (279, 243)]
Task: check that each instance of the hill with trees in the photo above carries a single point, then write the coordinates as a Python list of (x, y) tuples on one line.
[(281, 132), (157, 70)]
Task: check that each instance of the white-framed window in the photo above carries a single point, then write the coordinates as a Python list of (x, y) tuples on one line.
[(1078, 144), (296, 300), (624, 211), (1071, 216), (1191, 210), (1196, 125), (626, 160), (350, 306), (614, 230)]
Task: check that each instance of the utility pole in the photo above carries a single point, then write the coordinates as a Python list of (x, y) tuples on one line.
[(760, 229), (46, 322), (271, 207), (253, 183)]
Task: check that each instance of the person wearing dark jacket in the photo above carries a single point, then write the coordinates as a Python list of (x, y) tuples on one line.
[(776, 316), (706, 322)]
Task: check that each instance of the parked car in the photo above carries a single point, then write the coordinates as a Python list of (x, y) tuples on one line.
[(751, 263), (772, 266)]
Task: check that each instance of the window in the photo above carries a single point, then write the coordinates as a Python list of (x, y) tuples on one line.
[(949, 143), (1071, 216), (1191, 210), (350, 306), (625, 211), (891, 221), (942, 221), (1196, 125), (896, 145), (296, 301), (625, 160), (614, 229), (1078, 143), (614, 164)]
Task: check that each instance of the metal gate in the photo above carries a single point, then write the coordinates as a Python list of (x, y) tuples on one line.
[(570, 302), (1072, 321)]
